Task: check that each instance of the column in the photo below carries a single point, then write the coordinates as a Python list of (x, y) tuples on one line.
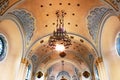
[(101, 69), (22, 69)]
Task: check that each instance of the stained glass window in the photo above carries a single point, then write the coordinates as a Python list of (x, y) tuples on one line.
[(2, 47), (28, 75), (118, 44), (96, 73)]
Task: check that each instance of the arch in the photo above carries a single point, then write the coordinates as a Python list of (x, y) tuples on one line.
[(109, 31), (14, 55), (34, 44)]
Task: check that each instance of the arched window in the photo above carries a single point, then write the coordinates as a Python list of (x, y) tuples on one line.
[(118, 44), (96, 73), (2, 47), (28, 75)]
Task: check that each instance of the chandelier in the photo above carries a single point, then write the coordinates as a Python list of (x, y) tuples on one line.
[(63, 70), (63, 78), (59, 35)]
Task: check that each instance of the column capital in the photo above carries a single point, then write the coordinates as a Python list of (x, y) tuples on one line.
[(25, 61), (99, 60)]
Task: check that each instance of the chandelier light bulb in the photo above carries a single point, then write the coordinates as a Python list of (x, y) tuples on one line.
[(59, 47)]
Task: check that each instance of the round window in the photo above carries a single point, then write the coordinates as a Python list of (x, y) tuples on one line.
[(118, 44), (2, 47)]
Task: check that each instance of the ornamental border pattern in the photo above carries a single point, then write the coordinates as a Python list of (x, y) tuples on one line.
[(95, 18), (27, 22)]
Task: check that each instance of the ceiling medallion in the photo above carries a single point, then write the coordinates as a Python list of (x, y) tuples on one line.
[(86, 74), (62, 54), (59, 35), (39, 74)]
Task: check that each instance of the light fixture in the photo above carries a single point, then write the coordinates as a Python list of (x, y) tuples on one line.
[(63, 78), (59, 36), (59, 47)]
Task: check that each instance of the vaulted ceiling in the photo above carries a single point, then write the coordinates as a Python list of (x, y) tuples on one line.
[(76, 22)]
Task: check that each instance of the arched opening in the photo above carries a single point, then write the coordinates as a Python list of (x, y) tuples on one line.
[(111, 59), (10, 65)]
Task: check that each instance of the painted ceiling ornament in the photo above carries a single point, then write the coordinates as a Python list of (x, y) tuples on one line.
[(95, 19), (63, 75), (62, 54), (39, 74), (27, 22), (86, 74)]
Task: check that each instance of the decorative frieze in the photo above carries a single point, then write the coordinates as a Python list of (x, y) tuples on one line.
[(94, 20)]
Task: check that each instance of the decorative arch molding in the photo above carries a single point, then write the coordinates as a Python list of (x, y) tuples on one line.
[(115, 4), (26, 20), (71, 61), (6, 4), (96, 18), (34, 44)]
